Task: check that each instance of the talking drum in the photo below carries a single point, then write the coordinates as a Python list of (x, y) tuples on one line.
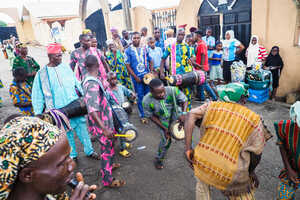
[(177, 131), (127, 107), (148, 78), (75, 108), (187, 79), (123, 126)]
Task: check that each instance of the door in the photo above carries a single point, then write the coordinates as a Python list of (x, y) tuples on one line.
[(5, 32), (95, 22), (212, 21)]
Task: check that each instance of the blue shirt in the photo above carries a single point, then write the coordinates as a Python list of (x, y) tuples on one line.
[(216, 54), (121, 93), (210, 42), (138, 59), (229, 49), (155, 55), (160, 43), (63, 84)]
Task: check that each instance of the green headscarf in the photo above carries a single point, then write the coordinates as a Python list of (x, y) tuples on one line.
[(233, 92)]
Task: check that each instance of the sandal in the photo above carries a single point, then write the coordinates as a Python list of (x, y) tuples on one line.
[(116, 166), (117, 183), (125, 153), (128, 145), (95, 156), (158, 164)]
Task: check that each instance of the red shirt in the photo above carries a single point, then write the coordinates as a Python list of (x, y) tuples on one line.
[(202, 49)]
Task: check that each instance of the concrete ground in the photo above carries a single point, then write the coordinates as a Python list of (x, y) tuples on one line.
[(176, 180)]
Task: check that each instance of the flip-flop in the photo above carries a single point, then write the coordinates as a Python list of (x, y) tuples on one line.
[(125, 153), (158, 164), (116, 166), (117, 183)]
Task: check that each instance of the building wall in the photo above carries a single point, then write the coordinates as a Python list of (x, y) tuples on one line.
[(279, 29), (142, 17), (28, 30), (274, 21)]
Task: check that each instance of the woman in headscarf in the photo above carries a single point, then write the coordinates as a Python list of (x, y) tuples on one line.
[(231, 47), (274, 63), (255, 52), (35, 162), (116, 62)]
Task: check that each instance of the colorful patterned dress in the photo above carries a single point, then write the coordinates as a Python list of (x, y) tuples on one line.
[(30, 65), (117, 65), (183, 66), (288, 137), (21, 93), (96, 102), (1, 86)]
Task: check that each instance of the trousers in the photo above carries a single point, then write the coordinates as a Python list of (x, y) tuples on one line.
[(107, 156), (163, 146), (200, 92), (78, 125), (141, 89), (203, 193)]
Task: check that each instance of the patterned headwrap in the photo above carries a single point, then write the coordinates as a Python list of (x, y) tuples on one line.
[(295, 112), (22, 140), (233, 92)]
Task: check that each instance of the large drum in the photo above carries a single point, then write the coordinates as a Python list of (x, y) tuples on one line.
[(177, 131), (75, 108), (187, 79), (148, 78), (122, 124)]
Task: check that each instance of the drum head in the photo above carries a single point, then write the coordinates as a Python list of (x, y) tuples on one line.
[(131, 135), (126, 105), (148, 78), (177, 133)]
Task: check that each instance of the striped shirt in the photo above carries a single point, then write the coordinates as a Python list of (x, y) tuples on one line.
[(262, 54)]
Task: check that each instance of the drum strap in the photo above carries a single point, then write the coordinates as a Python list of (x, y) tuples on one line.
[(115, 116)]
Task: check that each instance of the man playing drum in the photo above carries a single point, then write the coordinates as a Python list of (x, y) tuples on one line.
[(160, 106), (232, 138), (138, 63)]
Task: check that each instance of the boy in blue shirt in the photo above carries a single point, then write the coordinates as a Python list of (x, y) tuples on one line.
[(216, 71), (155, 53)]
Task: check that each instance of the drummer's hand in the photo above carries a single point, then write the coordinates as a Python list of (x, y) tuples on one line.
[(133, 96), (137, 79), (181, 118), (189, 155), (79, 193), (108, 133), (162, 76), (167, 133)]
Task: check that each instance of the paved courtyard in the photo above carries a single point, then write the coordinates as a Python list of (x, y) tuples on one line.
[(176, 180)]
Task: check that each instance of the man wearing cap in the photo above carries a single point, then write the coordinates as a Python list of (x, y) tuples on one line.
[(116, 38), (54, 87), (183, 26), (232, 139)]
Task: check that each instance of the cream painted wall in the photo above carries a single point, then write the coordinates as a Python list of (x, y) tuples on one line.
[(142, 17), (275, 23), (187, 12), (28, 31)]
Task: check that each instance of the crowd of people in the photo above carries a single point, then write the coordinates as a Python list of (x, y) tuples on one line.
[(232, 137)]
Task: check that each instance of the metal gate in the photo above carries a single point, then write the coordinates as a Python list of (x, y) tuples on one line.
[(5, 32), (235, 14), (95, 22)]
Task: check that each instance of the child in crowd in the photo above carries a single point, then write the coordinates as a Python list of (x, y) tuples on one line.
[(216, 72), (118, 94), (155, 53), (20, 92)]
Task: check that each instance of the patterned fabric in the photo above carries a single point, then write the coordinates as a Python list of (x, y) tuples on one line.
[(229, 132), (233, 92), (138, 59), (23, 140), (182, 56), (203, 192), (287, 190), (77, 59), (163, 146), (287, 133), (117, 65), (96, 102), (30, 65), (1, 86), (163, 108), (229, 48), (21, 93)]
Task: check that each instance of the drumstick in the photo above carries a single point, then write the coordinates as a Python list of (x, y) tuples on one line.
[(124, 135)]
